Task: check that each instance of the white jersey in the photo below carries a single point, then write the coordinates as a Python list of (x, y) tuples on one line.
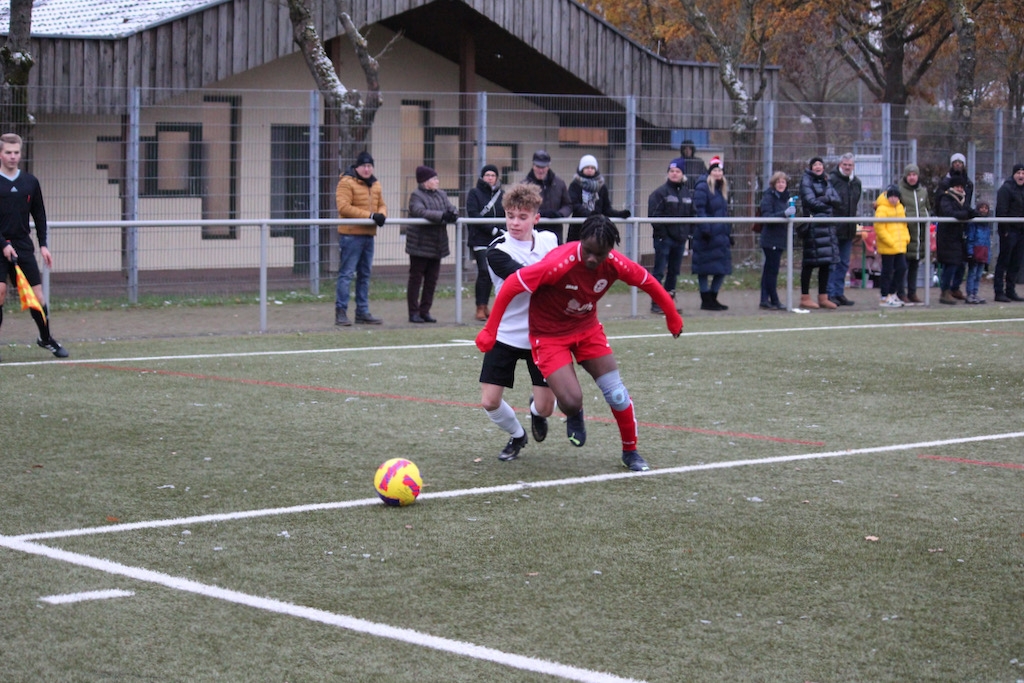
[(505, 256)]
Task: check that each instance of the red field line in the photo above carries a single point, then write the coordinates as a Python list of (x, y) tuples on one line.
[(418, 399), (965, 461)]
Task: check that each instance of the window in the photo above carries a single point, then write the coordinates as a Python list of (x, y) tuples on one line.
[(171, 161)]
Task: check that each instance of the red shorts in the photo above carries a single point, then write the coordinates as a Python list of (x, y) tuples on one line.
[(551, 353)]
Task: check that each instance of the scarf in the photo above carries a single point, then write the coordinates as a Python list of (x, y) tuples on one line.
[(590, 189)]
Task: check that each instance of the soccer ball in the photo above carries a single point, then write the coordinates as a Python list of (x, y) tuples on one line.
[(398, 482)]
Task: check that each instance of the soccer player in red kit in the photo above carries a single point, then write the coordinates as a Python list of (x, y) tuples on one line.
[(564, 290)]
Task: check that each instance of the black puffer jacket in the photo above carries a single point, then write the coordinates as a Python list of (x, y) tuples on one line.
[(481, 234), (951, 238), (671, 200), (1010, 203), (818, 199), (849, 190)]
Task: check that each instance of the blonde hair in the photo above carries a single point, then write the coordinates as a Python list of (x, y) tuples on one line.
[(776, 177), (10, 139)]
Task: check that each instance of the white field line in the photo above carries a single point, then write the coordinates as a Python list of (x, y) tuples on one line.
[(469, 342), (88, 595), (24, 544), (316, 615), (504, 488)]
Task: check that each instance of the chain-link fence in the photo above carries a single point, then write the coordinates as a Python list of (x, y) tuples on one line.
[(227, 158)]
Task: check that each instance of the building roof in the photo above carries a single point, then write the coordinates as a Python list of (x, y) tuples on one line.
[(102, 19)]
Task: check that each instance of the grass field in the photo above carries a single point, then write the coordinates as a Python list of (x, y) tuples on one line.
[(834, 498)]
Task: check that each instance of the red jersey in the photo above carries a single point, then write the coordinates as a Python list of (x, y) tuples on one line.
[(564, 292)]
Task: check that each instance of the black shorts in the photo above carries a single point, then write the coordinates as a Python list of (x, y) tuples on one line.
[(500, 366), (27, 261)]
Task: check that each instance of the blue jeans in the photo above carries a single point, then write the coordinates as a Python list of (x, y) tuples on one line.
[(974, 272), (837, 275), (716, 283), (770, 275), (668, 254), (355, 258), (948, 275)]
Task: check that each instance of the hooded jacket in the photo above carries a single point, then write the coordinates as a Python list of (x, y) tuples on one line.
[(915, 202), (890, 238), (1010, 203), (849, 189)]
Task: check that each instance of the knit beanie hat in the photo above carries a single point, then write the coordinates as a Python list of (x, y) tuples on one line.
[(424, 173), (678, 162), (911, 168), (957, 180), (716, 162), (892, 191), (958, 157), (489, 167), (588, 160), (813, 160), (1018, 167), (364, 158)]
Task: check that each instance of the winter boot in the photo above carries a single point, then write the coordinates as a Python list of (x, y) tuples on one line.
[(823, 302), (706, 303), (718, 304), (947, 298), (807, 302)]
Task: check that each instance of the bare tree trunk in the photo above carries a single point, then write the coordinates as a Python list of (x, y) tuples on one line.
[(346, 111), (16, 62), (963, 109)]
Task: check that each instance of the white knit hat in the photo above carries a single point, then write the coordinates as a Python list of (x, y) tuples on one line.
[(588, 160)]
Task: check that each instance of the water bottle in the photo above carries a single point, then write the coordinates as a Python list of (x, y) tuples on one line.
[(792, 201)]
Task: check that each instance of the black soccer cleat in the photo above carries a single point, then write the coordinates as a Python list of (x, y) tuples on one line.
[(576, 430), (53, 347), (633, 461), (538, 425), (512, 448)]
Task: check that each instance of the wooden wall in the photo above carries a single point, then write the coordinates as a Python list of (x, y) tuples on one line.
[(91, 76)]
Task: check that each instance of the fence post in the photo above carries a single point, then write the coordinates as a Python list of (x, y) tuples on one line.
[(481, 129), (769, 143), (459, 252), (131, 256), (264, 247), (886, 144), (314, 191)]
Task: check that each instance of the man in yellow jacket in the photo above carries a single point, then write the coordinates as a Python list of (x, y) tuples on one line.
[(359, 195)]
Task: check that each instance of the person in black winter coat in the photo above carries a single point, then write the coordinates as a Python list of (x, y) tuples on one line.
[(712, 242), (1010, 203), (849, 188), (426, 245), (957, 167), (589, 195), (484, 201), (553, 191), (774, 204), (671, 200), (951, 238), (820, 246)]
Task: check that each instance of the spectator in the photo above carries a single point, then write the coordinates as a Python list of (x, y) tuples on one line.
[(979, 244), (820, 248), (712, 242), (358, 195), (891, 240), (484, 201), (589, 195), (521, 245), (693, 166), (849, 188), (20, 198), (957, 165), (672, 200), (426, 245), (565, 290), (774, 204), (555, 195), (951, 238), (1010, 204), (914, 197)]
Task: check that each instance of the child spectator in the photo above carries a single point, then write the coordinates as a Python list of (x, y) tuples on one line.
[(979, 243), (891, 240)]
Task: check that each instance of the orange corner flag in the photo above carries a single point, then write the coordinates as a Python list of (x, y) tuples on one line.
[(25, 293)]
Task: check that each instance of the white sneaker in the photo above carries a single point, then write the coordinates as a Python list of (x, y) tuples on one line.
[(891, 302)]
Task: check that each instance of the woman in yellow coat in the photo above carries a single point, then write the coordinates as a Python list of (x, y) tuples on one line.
[(891, 240)]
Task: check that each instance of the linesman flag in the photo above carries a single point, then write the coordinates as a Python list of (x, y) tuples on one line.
[(25, 293)]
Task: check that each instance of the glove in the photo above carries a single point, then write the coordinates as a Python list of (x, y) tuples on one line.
[(485, 340), (378, 218), (449, 217), (790, 211), (732, 241), (625, 213)]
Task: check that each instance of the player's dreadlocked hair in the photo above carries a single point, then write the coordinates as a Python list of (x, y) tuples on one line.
[(602, 229)]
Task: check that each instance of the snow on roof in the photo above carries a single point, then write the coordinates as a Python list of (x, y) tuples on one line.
[(102, 18)]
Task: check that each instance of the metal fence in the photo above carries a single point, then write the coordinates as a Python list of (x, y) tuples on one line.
[(201, 169)]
